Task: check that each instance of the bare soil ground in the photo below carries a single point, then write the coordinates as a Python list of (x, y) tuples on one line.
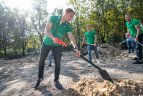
[(18, 76)]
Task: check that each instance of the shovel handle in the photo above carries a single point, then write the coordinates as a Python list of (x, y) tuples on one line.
[(86, 59), (59, 41), (140, 44), (90, 62)]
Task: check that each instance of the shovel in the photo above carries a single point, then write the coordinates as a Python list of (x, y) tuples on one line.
[(140, 44), (102, 72)]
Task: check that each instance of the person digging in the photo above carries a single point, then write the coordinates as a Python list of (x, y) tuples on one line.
[(57, 27)]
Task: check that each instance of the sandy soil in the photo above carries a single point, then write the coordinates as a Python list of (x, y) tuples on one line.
[(18, 76)]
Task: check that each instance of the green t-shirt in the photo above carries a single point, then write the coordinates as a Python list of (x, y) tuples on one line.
[(131, 27), (58, 30), (89, 35)]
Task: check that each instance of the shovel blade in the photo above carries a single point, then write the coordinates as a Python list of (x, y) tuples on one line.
[(105, 75)]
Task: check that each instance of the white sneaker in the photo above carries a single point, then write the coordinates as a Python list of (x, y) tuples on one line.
[(89, 65), (97, 61)]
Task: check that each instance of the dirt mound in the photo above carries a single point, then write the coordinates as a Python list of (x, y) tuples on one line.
[(110, 51), (88, 87)]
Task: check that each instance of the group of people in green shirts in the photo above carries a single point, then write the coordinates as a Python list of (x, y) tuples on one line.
[(59, 26)]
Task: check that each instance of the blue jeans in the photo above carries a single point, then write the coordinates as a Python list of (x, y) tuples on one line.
[(130, 44), (45, 49), (89, 49)]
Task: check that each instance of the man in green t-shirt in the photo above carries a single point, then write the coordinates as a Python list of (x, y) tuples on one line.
[(90, 39), (57, 27), (133, 26)]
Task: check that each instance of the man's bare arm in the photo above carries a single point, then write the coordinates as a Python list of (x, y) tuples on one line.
[(95, 39), (48, 33), (73, 42), (128, 31), (83, 39), (72, 39), (138, 31), (47, 30)]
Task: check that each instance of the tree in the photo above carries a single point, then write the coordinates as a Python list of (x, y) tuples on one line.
[(39, 17)]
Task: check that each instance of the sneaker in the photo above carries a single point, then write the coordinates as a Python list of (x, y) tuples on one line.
[(97, 61), (89, 65), (38, 83), (137, 62), (136, 58), (58, 85)]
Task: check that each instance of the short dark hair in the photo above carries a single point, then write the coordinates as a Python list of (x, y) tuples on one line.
[(69, 10)]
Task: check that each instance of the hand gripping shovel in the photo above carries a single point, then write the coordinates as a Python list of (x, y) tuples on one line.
[(102, 72)]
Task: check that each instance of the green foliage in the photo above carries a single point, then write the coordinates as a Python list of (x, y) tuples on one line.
[(33, 42), (21, 31), (58, 12), (114, 38), (39, 17), (13, 31), (107, 16)]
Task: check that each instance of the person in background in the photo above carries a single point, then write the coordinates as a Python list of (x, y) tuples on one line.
[(130, 43), (133, 27), (50, 58), (90, 37), (57, 27)]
